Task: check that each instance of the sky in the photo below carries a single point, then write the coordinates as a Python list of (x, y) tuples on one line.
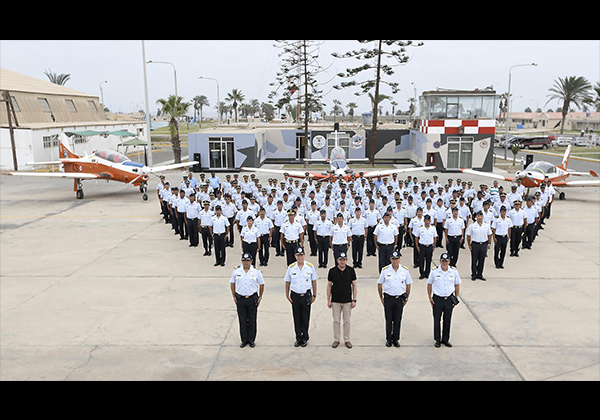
[(250, 65)]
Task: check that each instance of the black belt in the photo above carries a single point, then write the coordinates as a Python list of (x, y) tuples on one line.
[(425, 245), (379, 243), (217, 234), (518, 226), (475, 242), (455, 236), (300, 294), (245, 297), (358, 236), (291, 242), (501, 236), (390, 296), (442, 297)]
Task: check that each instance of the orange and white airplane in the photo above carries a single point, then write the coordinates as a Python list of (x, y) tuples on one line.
[(101, 164), (536, 173)]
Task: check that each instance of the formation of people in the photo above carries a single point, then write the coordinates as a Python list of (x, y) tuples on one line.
[(385, 215)]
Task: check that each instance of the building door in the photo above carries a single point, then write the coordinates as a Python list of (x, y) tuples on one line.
[(221, 153), (460, 153)]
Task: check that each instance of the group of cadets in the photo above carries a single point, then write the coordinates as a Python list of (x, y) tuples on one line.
[(384, 215)]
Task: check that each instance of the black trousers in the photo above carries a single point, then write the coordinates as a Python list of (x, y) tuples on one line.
[(323, 247), (452, 248), (516, 235), (231, 231), (385, 254), (247, 311), (337, 250), (193, 231), (500, 249), (263, 252), (206, 239), (311, 239), (220, 252), (290, 251), (478, 254), (358, 244), (425, 256), (183, 231), (528, 235), (174, 220), (301, 314), (401, 233), (371, 247), (251, 249), (393, 308), (439, 227), (442, 307), (276, 240), (415, 254)]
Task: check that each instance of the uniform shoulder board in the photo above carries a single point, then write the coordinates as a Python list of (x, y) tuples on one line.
[(237, 267), (309, 264), (292, 264), (383, 268), (405, 267)]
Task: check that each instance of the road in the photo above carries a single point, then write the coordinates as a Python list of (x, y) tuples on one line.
[(575, 164)]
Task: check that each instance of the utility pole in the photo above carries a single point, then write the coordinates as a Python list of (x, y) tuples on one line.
[(147, 107), (13, 146)]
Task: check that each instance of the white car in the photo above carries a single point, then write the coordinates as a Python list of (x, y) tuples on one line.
[(561, 141)]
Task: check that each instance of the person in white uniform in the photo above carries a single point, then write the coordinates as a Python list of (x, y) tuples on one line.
[(247, 288), (443, 286)]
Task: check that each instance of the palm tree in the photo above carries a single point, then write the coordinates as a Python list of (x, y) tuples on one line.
[(571, 90), (235, 96), (199, 102), (175, 108), (352, 106), (58, 79)]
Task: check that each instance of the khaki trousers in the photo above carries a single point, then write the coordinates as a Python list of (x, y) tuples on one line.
[(338, 309)]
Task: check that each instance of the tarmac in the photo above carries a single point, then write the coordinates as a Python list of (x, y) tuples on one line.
[(100, 289)]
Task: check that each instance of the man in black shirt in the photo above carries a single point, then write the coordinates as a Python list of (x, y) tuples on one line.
[(341, 297)]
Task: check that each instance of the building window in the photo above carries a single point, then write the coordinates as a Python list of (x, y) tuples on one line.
[(44, 104), (50, 141), (70, 105), (79, 139), (343, 142), (93, 106), (15, 104)]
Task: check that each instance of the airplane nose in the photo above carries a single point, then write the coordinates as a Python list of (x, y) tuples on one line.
[(521, 174)]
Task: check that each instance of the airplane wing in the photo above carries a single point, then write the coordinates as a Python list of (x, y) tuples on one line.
[(372, 174), (167, 167), (592, 173), (68, 175), (293, 174), (590, 183), (488, 175), (55, 162)]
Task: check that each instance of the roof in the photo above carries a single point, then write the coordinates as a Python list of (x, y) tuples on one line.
[(443, 92), (18, 82), (551, 115)]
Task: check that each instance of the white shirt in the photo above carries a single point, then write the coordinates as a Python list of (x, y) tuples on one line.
[(264, 226), (206, 217), (219, 224), (182, 204), (454, 227), (502, 225), (279, 217), (291, 232), (372, 217), (517, 217), (242, 216), (531, 213), (246, 283), (249, 235), (300, 279), (340, 234), (323, 228), (385, 234), (426, 235), (479, 233), (394, 282), (357, 226), (443, 282), (228, 210), (192, 211)]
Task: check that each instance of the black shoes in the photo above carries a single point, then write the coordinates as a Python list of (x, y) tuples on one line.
[(445, 343)]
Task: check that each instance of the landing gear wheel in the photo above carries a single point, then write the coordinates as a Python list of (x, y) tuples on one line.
[(561, 196), (143, 188), (145, 197), (79, 194)]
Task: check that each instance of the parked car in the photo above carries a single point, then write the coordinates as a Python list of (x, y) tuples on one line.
[(534, 143), (560, 141), (511, 141)]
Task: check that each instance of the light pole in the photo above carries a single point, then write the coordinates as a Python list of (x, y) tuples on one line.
[(509, 105), (149, 138), (174, 71), (218, 102), (102, 94)]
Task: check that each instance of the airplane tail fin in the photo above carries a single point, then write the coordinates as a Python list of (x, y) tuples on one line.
[(64, 151), (565, 161)]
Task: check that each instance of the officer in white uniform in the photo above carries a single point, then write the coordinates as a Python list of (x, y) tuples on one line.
[(323, 233), (301, 291), (501, 228), (292, 236), (341, 235), (192, 212), (358, 228), (182, 204), (219, 227), (454, 227), (386, 238), (393, 286), (518, 218), (479, 236), (247, 288), (425, 241), (443, 286), (205, 217)]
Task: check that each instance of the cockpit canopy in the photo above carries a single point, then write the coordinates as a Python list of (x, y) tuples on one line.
[(545, 167), (112, 156), (338, 158)]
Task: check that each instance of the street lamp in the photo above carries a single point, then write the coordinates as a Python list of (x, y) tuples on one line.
[(174, 71), (102, 94), (509, 104), (218, 102)]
